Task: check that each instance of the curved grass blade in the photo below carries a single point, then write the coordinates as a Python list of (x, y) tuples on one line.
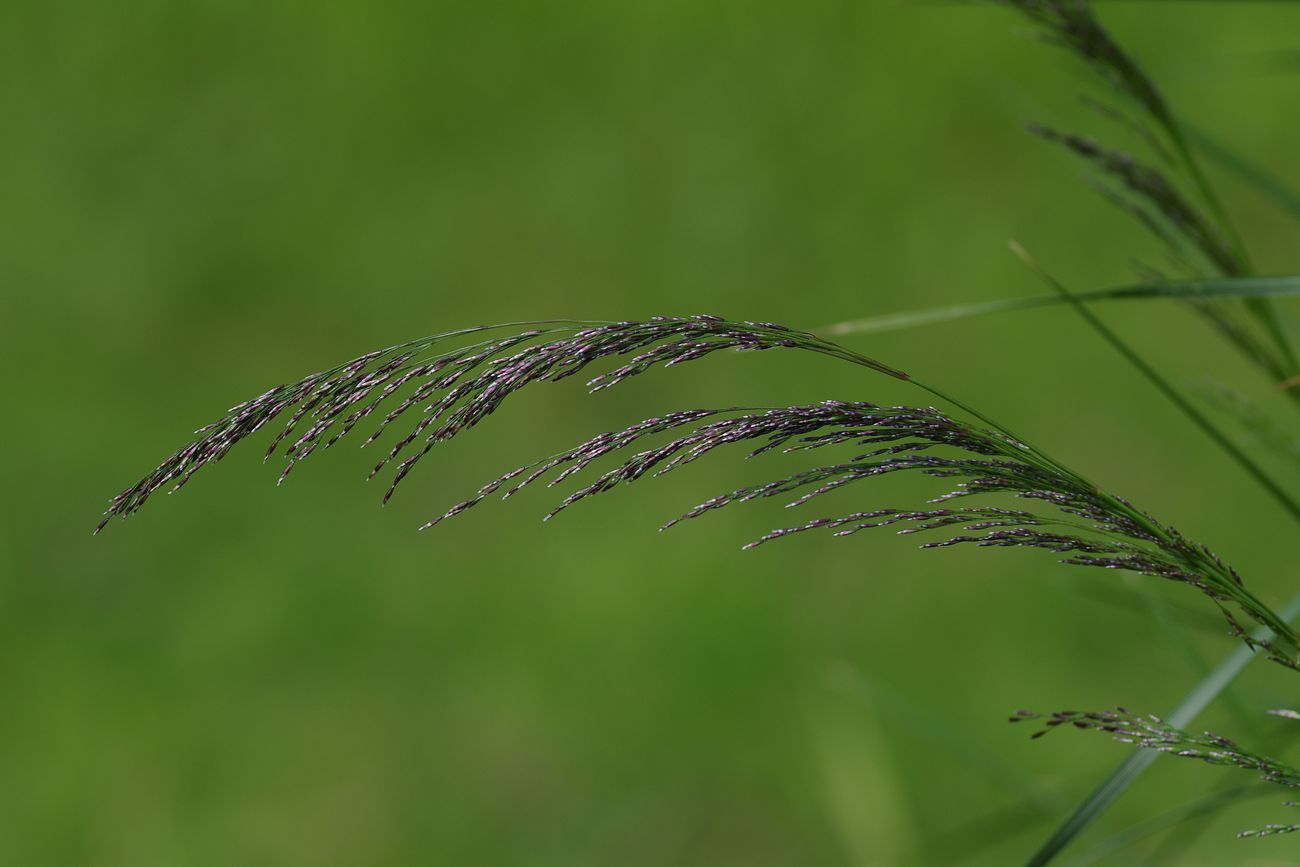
[(1139, 760), (1184, 290)]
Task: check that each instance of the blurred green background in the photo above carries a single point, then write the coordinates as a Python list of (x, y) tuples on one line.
[(201, 199)]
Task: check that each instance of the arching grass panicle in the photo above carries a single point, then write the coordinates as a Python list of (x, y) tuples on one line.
[(450, 390), (1152, 733)]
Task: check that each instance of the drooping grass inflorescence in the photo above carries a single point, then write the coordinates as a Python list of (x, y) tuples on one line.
[(450, 382), (451, 390), (1150, 732)]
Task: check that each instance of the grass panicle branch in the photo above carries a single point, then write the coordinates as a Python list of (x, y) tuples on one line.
[(1091, 527), (1150, 732)]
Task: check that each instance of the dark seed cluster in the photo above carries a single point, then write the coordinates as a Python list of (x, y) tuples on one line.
[(1150, 732)]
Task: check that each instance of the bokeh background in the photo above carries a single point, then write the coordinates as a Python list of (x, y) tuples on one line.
[(201, 199)]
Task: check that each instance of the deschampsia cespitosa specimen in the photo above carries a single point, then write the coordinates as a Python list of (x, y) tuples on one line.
[(995, 489)]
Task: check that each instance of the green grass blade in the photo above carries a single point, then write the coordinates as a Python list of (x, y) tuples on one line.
[(1228, 287), (1139, 760)]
